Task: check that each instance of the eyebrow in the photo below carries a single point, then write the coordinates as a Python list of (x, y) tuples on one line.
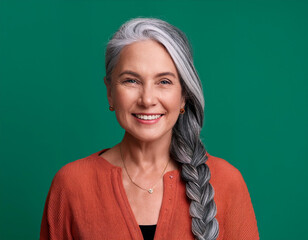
[(138, 76)]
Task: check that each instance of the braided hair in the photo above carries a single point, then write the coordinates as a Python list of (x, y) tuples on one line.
[(186, 145)]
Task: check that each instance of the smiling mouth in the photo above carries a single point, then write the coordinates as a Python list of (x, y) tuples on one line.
[(148, 117)]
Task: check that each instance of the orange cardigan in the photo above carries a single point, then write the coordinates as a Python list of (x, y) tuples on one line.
[(87, 201)]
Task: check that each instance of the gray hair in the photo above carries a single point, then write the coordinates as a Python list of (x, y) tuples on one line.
[(186, 145)]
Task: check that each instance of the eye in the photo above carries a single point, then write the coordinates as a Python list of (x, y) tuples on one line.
[(130, 80), (165, 82)]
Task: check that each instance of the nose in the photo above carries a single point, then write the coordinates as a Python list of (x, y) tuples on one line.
[(147, 97)]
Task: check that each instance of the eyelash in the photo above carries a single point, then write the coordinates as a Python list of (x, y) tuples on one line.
[(166, 81), (163, 82), (129, 80)]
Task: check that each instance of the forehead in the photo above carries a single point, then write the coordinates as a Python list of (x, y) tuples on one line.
[(146, 57)]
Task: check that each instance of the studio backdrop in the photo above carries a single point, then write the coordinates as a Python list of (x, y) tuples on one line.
[(252, 57)]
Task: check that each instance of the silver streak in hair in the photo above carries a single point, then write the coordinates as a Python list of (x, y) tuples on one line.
[(186, 146)]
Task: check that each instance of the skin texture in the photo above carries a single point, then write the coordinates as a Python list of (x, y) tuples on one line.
[(145, 80)]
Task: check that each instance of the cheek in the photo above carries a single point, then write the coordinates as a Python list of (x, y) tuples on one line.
[(123, 99), (174, 100)]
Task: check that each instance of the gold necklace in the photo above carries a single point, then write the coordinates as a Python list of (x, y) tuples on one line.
[(150, 190)]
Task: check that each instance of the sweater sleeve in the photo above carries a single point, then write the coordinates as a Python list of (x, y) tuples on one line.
[(240, 221), (56, 222)]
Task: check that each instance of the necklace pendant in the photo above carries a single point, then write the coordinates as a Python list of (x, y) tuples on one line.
[(150, 190)]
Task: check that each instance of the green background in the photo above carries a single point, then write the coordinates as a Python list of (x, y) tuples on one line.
[(252, 57)]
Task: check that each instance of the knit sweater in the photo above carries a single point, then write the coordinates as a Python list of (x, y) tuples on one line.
[(87, 201)]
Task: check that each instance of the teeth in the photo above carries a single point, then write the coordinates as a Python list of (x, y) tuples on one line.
[(147, 117)]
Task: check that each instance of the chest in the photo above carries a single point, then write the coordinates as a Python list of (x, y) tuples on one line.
[(118, 211), (144, 205)]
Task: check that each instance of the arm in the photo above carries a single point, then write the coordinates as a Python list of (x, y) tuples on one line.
[(56, 221), (241, 223)]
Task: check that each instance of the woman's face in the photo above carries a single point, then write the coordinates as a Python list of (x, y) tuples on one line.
[(145, 91)]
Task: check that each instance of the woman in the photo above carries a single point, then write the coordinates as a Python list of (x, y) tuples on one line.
[(137, 188)]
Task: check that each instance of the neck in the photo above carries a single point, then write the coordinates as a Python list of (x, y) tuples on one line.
[(145, 155)]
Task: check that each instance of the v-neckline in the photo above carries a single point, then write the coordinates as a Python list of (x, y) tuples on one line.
[(170, 180)]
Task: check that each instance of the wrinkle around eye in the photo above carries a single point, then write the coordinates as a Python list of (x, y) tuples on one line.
[(130, 81)]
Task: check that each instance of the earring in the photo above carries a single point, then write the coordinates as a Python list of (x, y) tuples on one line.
[(182, 111), (111, 108)]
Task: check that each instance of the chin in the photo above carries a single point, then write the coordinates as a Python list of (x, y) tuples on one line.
[(150, 136)]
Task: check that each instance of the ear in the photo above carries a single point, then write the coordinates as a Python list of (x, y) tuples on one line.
[(183, 102), (109, 95)]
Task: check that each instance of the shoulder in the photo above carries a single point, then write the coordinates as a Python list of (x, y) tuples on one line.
[(225, 176), (235, 212), (81, 172), (221, 166), (76, 168)]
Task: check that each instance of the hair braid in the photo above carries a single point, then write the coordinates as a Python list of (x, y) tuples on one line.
[(195, 173)]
